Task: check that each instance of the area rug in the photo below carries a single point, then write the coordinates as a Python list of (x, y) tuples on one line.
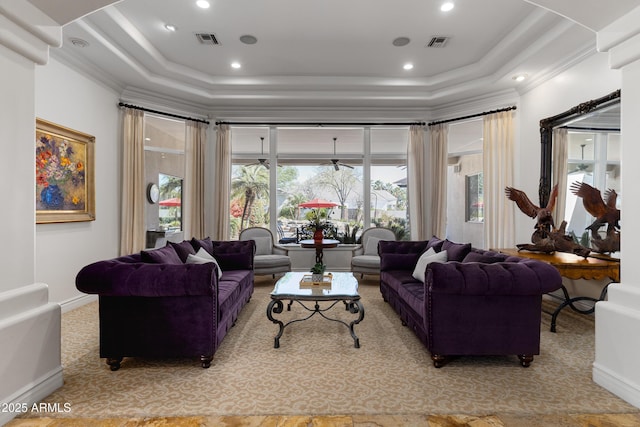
[(318, 371)]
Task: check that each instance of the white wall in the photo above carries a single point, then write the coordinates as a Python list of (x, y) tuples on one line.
[(72, 100), (16, 170), (588, 80)]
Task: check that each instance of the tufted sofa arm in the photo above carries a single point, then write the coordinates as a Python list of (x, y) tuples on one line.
[(525, 277), (116, 278)]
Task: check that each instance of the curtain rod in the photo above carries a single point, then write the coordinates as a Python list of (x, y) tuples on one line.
[(319, 124), (590, 129), (485, 113), (135, 107)]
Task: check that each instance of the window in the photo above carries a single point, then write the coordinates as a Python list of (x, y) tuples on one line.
[(474, 198), (164, 163), (170, 204), (336, 164)]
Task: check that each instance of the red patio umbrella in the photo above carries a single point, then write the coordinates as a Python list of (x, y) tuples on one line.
[(318, 203), (174, 201)]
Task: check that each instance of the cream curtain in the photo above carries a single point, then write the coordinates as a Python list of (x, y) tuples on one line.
[(133, 232), (498, 152), (222, 184), (438, 152), (560, 155), (194, 205), (416, 178)]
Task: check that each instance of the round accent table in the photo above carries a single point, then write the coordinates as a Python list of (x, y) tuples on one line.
[(320, 246)]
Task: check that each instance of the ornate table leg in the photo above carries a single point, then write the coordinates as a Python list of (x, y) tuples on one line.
[(275, 306), (355, 307), (569, 302)]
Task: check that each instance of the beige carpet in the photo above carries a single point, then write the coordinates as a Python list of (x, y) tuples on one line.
[(317, 371)]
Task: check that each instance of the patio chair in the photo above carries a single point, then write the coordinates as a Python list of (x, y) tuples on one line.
[(270, 258)]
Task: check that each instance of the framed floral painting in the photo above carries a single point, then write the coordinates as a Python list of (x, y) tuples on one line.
[(64, 174)]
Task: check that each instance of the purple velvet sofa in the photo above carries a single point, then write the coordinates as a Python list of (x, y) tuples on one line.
[(477, 303), (154, 304)]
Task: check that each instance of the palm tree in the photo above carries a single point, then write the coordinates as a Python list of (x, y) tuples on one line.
[(294, 201), (252, 182)]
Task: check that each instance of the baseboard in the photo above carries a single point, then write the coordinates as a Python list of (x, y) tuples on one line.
[(32, 393), (76, 302), (617, 385)]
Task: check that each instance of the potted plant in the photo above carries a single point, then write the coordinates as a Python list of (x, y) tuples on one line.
[(317, 222), (317, 272)]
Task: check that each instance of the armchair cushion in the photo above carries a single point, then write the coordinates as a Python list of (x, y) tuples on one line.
[(164, 255), (425, 259), (263, 245), (371, 247)]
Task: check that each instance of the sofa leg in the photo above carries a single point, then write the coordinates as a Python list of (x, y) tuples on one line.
[(438, 360), (206, 361), (525, 360), (114, 363)]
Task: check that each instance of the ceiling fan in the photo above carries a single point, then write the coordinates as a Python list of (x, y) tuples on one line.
[(581, 167), (336, 162), (262, 161)]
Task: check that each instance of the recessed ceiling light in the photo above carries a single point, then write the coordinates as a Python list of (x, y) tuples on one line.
[(446, 6), (170, 27), (401, 41), (408, 66), (519, 77), (248, 39), (203, 4), (236, 65), (79, 42)]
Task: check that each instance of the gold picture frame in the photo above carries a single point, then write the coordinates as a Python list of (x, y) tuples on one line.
[(65, 187)]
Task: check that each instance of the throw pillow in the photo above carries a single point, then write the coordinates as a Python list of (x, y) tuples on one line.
[(202, 243), (263, 245), (165, 255), (425, 259), (203, 257), (372, 246), (435, 243), (456, 251), (183, 249)]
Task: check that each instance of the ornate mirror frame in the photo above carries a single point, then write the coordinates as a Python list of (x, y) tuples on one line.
[(546, 136)]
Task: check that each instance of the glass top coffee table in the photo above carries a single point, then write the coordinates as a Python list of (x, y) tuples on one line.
[(343, 288)]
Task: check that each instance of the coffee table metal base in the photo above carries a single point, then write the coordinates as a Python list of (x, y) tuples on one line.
[(353, 306)]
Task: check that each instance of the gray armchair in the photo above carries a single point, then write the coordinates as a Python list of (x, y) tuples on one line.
[(270, 258), (365, 258)]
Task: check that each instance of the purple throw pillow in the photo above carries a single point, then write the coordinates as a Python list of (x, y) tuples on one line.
[(183, 249), (435, 243), (205, 243), (165, 255), (456, 251)]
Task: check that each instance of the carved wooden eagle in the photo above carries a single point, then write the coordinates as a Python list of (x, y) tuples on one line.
[(543, 215), (604, 211)]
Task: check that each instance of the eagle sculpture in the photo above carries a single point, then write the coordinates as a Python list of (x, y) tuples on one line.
[(544, 223), (546, 237), (605, 212)]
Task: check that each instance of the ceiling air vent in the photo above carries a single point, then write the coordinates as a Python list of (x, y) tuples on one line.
[(437, 41), (208, 38)]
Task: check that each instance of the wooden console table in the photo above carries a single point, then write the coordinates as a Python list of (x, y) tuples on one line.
[(574, 267)]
